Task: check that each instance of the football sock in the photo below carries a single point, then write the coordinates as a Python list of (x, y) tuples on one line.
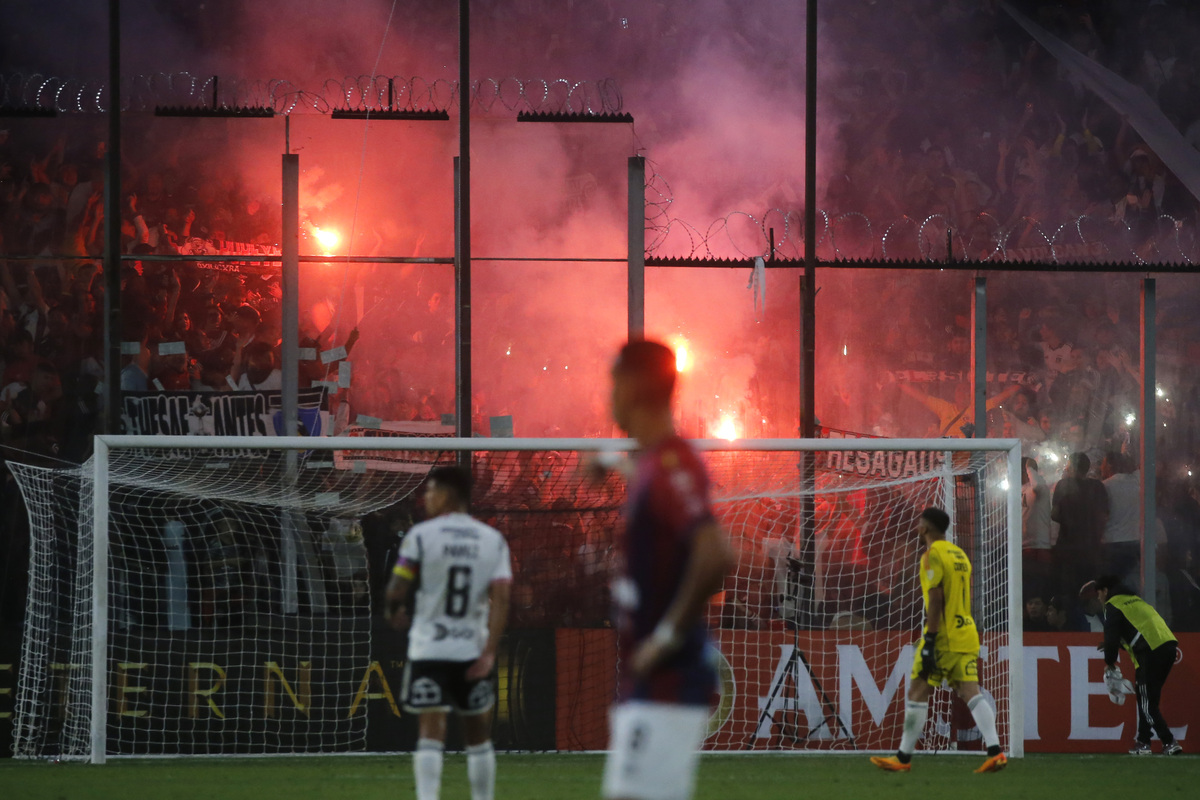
[(914, 722), (427, 766), (985, 718), (481, 771)]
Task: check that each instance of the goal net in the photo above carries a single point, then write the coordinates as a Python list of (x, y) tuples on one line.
[(201, 596)]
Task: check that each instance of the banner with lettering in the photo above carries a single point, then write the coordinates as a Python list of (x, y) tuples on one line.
[(216, 247), (779, 689), (290, 684), (1067, 709), (196, 413), (886, 464), (845, 690), (957, 376)]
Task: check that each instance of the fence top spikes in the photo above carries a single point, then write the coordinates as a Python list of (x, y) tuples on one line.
[(218, 111)]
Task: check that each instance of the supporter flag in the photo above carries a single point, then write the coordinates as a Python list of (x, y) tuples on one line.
[(1144, 114)]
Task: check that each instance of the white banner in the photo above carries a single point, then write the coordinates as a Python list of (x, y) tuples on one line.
[(1132, 101)]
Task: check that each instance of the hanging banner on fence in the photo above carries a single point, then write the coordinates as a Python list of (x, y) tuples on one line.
[(891, 464), (220, 413), (955, 376), (217, 247), (415, 461)]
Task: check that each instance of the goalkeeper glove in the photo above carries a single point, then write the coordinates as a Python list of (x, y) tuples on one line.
[(928, 655), (1117, 685)]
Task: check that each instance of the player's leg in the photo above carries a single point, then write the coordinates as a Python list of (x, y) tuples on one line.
[(654, 751), (475, 701), (981, 712), (916, 712), (424, 695), (427, 761), (967, 736), (1145, 723), (1158, 669), (481, 755)]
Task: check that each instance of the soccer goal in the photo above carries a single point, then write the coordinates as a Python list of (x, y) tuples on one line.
[(205, 595)]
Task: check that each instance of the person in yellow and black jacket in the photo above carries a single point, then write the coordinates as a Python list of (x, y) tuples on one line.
[(1130, 622), (949, 651)]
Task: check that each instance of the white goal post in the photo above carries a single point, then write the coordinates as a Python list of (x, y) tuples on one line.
[(815, 629)]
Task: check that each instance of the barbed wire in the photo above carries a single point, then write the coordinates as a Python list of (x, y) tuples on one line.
[(359, 93), (841, 236), (854, 236)]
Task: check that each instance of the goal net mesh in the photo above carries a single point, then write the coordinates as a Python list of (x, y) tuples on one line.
[(245, 592)]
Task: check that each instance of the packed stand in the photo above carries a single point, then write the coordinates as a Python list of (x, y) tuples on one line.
[(1001, 143), (992, 136)]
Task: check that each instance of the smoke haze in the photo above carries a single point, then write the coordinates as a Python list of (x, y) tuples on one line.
[(717, 93)]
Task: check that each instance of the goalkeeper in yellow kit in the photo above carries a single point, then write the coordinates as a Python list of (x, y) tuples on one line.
[(950, 649)]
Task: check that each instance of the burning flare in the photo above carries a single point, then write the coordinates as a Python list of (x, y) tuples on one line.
[(683, 357), (727, 429), (327, 238)]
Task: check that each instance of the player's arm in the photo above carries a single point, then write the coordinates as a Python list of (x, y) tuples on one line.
[(934, 610), (396, 597), (499, 593), (933, 623), (1114, 621), (596, 467), (711, 560)]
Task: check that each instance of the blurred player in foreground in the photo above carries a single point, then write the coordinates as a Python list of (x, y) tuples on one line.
[(672, 556), (950, 650), (1130, 622), (463, 578)]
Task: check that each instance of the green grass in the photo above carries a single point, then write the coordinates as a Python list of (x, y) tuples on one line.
[(573, 777)]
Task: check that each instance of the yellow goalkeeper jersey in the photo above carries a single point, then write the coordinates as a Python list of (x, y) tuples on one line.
[(946, 565)]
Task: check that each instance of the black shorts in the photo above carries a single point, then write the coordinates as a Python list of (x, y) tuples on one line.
[(443, 685)]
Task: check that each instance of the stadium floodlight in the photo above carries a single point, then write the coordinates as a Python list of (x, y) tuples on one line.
[(211, 595)]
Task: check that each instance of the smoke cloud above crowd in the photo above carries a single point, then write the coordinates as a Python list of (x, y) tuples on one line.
[(941, 131)]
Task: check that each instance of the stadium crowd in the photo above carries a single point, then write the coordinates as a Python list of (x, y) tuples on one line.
[(970, 119), (990, 133)]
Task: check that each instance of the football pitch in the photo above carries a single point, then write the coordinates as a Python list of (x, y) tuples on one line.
[(574, 777)]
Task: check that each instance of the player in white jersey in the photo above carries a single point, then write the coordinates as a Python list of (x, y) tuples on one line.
[(462, 574)]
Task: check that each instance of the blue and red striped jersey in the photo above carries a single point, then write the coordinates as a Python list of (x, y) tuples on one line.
[(667, 503)]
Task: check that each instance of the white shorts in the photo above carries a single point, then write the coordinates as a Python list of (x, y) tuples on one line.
[(654, 750)]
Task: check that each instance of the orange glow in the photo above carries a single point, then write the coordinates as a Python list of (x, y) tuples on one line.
[(727, 429), (327, 238), (683, 357)]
